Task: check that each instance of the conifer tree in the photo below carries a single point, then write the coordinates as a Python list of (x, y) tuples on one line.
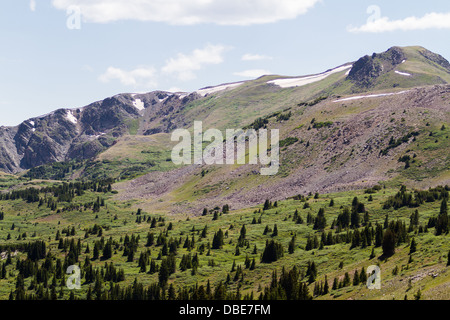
[(291, 248), (326, 287), (372, 254), (356, 278), (413, 246), (335, 284), (363, 276), (272, 252), (217, 242), (275, 231), (320, 222), (389, 242), (442, 222), (311, 272)]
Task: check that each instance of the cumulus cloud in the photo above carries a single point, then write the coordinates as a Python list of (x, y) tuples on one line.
[(182, 12), (255, 57), (384, 24), (254, 73), (175, 89), (33, 5), (183, 67), (143, 76)]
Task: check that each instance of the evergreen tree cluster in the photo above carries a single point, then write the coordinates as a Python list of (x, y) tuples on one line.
[(415, 199)]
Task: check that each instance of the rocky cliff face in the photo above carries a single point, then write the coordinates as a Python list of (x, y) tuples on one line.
[(436, 58), (67, 134), (366, 70)]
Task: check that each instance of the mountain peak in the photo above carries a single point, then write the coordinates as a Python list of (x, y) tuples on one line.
[(402, 67)]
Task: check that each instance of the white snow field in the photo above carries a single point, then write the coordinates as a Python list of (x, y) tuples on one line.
[(403, 73), (138, 104), (206, 91), (303, 81), (71, 117), (371, 96)]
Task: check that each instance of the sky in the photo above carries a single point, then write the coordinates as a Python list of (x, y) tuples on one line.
[(69, 53)]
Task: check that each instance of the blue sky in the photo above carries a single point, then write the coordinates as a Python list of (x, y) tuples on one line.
[(69, 53)]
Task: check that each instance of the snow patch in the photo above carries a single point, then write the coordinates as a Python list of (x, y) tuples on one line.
[(33, 129), (138, 104), (371, 96), (32, 123), (136, 94), (96, 136), (162, 100), (206, 91), (403, 74), (303, 81), (71, 117)]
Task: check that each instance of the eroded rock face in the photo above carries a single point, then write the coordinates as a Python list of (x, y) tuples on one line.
[(82, 133), (368, 69), (65, 134), (436, 58)]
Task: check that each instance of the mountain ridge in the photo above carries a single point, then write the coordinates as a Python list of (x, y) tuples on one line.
[(83, 133)]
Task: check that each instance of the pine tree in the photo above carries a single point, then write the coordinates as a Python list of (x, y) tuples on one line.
[(242, 235), (372, 254), (217, 242), (204, 232), (253, 265), (275, 231), (346, 281), (311, 272), (272, 252), (107, 251), (291, 248), (320, 222), (267, 205), (414, 219), (326, 287), (356, 278), (363, 276), (335, 284), (389, 242), (442, 226), (413, 246), (378, 236), (355, 220)]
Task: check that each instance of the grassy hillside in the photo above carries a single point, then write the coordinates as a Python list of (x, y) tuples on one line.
[(364, 170), (425, 271), (327, 145)]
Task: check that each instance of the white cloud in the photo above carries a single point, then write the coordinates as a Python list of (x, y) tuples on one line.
[(33, 5), (429, 21), (183, 66), (255, 73), (254, 57), (183, 12), (175, 89), (143, 76), (87, 68)]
